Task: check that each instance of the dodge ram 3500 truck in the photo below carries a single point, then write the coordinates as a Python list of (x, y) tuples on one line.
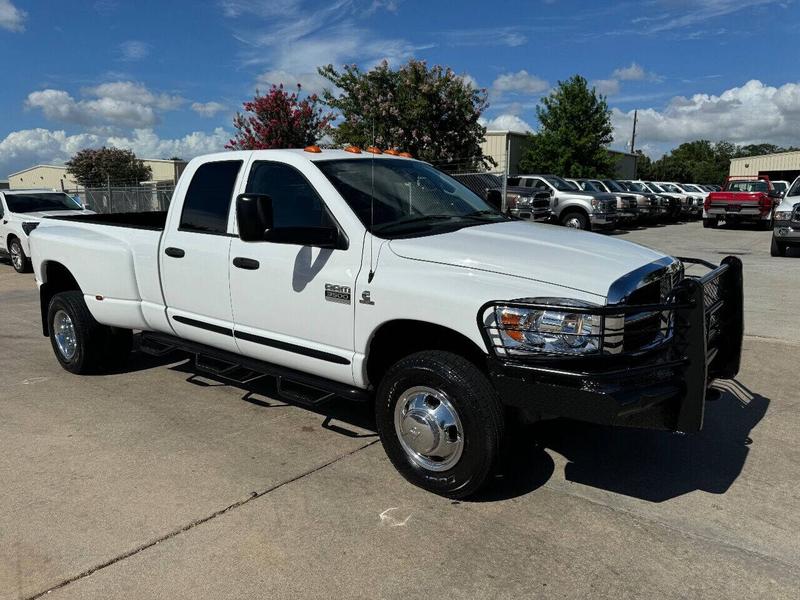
[(369, 276)]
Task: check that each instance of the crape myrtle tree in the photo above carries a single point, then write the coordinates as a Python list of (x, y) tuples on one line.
[(574, 130), (431, 112), (96, 167), (279, 119)]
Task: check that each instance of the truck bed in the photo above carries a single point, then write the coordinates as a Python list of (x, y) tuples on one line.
[(154, 221)]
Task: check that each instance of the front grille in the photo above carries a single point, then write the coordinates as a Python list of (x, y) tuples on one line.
[(648, 328), (629, 202)]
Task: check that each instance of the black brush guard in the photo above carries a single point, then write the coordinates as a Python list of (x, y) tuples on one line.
[(662, 385)]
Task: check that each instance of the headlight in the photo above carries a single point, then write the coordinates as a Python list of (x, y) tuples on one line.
[(28, 227), (783, 215), (525, 331)]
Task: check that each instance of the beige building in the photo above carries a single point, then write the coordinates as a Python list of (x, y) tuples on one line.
[(782, 166), (499, 143), (56, 176)]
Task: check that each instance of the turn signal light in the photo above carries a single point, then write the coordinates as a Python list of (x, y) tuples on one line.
[(374, 150), (314, 149), (353, 149)]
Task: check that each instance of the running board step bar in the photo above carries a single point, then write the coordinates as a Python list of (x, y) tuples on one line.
[(296, 386)]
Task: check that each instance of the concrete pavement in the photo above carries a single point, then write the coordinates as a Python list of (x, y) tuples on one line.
[(155, 483)]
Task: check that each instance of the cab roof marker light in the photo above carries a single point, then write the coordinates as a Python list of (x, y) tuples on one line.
[(353, 149), (374, 150), (313, 149)]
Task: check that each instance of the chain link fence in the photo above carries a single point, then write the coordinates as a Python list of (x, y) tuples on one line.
[(119, 199)]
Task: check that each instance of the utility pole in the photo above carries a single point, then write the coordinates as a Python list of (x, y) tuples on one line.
[(633, 135)]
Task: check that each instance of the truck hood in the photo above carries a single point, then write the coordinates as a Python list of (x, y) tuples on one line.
[(548, 253), (35, 216)]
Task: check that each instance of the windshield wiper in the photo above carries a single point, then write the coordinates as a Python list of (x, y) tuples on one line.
[(480, 214), (413, 220)]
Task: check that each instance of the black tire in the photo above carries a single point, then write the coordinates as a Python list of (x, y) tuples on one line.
[(23, 265), (710, 223), (579, 218), (98, 348), (777, 248), (468, 390)]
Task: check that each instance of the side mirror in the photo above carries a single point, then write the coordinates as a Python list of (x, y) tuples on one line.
[(253, 216), (494, 198)]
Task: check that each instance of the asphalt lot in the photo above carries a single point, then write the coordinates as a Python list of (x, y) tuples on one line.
[(156, 483)]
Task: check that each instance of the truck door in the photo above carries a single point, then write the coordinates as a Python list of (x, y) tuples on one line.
[(194, 257), (293, 304)]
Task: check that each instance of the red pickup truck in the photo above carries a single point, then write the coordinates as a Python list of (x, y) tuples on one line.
[(743, 199)]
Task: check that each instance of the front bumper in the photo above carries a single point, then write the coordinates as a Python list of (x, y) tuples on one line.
[(539, 215), (787, 231), (603, 219), (663, 387)]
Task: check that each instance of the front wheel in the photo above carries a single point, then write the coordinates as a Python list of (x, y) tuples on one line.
[(20, 262), (777, 248), (440, 422), (575, 220), (80, 343)]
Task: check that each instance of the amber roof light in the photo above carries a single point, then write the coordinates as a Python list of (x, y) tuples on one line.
[(353, 149), (392, 151), (374, 150), (406, 155), (314, 149)]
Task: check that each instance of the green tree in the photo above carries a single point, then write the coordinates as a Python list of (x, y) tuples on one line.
[(644, 165), (428, 111), (575, 128), (95, 167), (279, 119)]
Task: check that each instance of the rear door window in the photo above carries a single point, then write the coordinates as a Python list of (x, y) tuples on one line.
[(208, 199)]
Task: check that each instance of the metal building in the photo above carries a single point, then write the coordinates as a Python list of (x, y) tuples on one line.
[(56, 176), (780, 166)]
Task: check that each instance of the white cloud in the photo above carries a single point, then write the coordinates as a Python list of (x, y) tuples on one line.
[(121, 103), (134, 50), (607, 87), (632, 73), (22, 149), (506, 122), (470, 80), (11, 17), (520, 82), (694, 12), (292, 42), (207, 109), (485, 36), (752, 113)]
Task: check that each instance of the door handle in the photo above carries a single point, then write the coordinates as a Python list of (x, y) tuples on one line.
[(246, 263), (175, 252)]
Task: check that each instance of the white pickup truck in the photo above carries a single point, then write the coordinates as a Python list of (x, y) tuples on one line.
[(369, 276)]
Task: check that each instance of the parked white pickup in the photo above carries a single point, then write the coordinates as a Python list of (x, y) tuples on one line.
[(378, 277)]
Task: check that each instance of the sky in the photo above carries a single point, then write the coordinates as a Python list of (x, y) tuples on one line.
[(165, 78)]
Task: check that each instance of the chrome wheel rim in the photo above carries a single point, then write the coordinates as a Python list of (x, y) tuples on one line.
[(574, 222), (64, 333), (429, 428), (16, 255)]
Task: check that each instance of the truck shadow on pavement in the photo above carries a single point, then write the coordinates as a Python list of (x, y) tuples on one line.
[(650, 465), (647, 464)]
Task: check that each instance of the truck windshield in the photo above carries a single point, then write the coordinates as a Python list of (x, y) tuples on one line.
[(559, 184), (43, 201), (654, 187), (668, 187), (614, 186), (395, 197), (795, 189), (779, 186)]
